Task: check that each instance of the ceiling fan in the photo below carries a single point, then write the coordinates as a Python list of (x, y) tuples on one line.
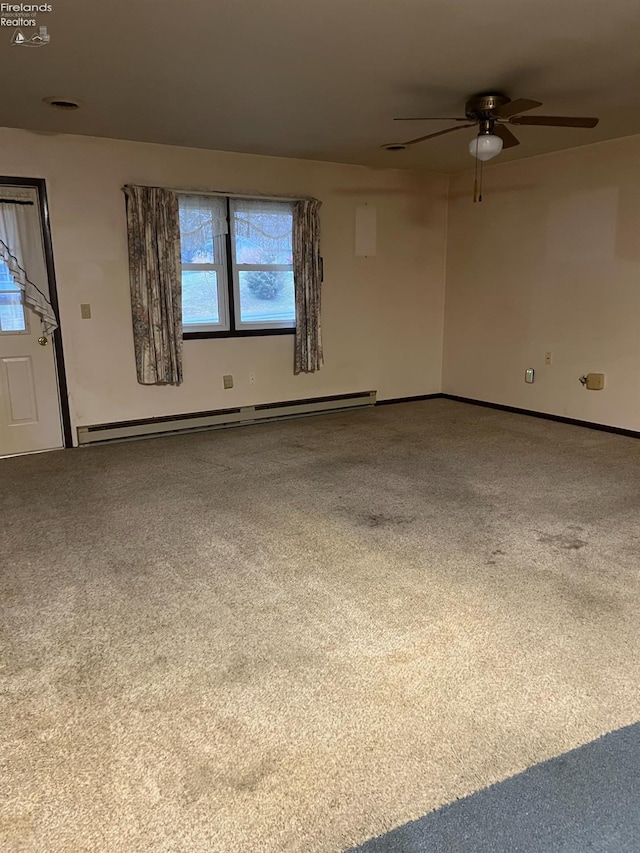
[(492, 112)]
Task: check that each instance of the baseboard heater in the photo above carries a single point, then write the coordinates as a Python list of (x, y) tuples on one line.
[(222, 418)]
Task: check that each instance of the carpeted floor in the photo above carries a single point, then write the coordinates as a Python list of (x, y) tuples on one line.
[(295, 637)]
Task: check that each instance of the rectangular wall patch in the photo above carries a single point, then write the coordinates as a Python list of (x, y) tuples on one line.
[(366, 231)]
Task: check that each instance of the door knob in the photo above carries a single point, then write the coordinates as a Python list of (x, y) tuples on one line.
[(43, 340)]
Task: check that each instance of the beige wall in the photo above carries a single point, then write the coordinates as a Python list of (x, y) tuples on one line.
[(550, 261), (382, 316)]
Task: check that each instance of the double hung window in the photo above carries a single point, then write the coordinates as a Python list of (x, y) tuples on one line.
[(237, 266)]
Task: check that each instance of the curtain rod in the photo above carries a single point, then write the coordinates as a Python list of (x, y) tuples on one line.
[(242, 195), (255, 196)]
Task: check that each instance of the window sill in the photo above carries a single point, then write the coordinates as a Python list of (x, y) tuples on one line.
[(239, 333)]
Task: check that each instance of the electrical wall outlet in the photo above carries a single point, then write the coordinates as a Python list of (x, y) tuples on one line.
[(548, 358), (595, 381), (227, 381), (252, 378), (85, 311), (529, 375)]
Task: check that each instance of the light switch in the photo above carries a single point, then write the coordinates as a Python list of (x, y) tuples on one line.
[(529, 375), (85, 311)]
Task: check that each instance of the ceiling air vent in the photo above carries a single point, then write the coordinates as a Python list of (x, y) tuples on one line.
[(62, 103)]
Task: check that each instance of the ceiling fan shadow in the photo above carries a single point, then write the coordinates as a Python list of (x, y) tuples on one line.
[(425, 191), (408, 183), (490, 191), (422, 199), (373, 191)]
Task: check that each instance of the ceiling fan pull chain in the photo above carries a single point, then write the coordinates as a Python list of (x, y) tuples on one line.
[(481, 175), (475, 177)]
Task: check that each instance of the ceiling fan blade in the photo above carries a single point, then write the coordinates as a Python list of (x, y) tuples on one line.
[(508, 139), (514, 108), (556, 121), (439, 133), (432, 118)]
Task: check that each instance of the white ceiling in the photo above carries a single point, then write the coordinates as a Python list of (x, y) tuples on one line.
[(322, 79)]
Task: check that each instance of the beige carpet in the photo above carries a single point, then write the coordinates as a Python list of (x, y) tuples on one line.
[(295, 636)]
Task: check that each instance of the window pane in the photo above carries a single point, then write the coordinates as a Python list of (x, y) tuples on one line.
[(266, 296), (262, 231), (6, 279), (11, 312), (200, 296), (202, 219)]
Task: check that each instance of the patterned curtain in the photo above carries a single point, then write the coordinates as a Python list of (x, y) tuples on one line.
[(307, 274), (156, 288)]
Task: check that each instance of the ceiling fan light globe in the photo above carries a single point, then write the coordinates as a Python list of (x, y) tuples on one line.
[(485, 146)]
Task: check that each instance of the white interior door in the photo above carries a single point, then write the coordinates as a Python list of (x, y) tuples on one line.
[(30, 418)]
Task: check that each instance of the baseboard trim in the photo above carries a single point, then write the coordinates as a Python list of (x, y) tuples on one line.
[(630, 433), (408, 399), (223, 418)]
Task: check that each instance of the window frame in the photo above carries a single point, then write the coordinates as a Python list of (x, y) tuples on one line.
[(231, 289), (222, 285)]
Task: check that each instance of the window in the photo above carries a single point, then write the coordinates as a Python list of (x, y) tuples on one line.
[(237, 266), (12, 318)]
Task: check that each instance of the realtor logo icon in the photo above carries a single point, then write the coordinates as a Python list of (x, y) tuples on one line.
[(37, 40)]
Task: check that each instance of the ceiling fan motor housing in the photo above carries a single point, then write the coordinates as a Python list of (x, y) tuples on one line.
[(482, 107)]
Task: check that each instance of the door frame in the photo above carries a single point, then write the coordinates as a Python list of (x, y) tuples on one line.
[(56, 336)]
